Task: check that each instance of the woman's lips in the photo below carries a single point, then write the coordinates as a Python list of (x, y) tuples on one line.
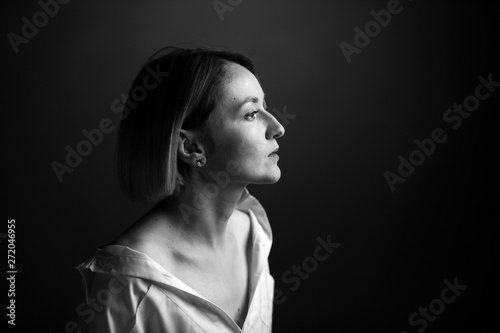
[(274, 151), (274, 155)]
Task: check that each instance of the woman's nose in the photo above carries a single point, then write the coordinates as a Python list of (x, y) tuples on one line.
[(275, 130)]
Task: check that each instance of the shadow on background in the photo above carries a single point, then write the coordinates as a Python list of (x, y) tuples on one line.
[(352, 121)]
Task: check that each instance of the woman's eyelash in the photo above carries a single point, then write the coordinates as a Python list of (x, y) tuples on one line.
[(252, 114)]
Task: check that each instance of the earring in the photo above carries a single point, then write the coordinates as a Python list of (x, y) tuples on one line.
[(200, 163)]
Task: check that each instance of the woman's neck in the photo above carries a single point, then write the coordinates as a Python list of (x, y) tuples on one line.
[(201, 213)]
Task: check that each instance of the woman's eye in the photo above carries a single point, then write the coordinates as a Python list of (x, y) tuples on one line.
[(251, 115)]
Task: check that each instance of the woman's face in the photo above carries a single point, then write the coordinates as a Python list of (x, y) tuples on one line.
[(244, 133)]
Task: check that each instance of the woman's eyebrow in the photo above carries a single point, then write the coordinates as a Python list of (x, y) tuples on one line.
[(252, 99)]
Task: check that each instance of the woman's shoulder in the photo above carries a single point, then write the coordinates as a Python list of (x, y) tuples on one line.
[(146, 233)]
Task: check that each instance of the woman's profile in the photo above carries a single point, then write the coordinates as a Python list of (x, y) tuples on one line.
[(194, 134)]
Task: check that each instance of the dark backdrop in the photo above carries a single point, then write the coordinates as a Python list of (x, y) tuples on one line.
[(352, 121)]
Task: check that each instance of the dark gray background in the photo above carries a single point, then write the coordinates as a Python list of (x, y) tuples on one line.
[(352, 121)]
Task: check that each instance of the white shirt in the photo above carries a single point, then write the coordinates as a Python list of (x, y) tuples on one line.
[(127, 291)]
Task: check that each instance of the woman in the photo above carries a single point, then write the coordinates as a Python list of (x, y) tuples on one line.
[(194, 134)]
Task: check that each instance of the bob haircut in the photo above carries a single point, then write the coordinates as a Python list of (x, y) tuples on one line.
[(176, 89)]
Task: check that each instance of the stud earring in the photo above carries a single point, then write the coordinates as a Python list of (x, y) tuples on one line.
[(200, 163)]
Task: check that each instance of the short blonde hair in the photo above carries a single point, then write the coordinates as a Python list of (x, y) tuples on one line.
[(176, 88)]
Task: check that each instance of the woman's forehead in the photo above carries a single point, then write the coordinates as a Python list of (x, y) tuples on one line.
[(241, 86)]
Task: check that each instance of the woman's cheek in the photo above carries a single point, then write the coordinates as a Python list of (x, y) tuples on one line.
[(244, 148)]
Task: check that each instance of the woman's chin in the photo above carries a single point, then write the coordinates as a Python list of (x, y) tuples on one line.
[(273, 176), (269, 176)]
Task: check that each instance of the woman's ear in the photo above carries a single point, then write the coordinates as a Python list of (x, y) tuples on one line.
[(189, 149)]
